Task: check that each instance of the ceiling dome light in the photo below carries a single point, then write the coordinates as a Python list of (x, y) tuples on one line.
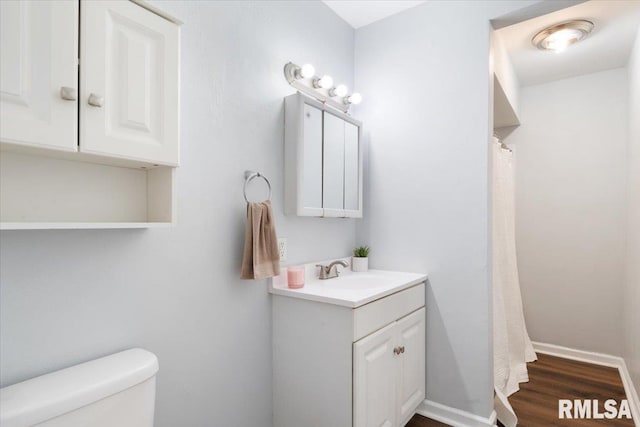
[(560, 36), (355, 99)]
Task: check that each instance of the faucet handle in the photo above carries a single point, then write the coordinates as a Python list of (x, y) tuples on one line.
[(323, 271)]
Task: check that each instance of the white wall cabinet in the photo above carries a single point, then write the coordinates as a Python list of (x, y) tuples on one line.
[(120, 89), (323, 160), (39, 73), (349, 367), (130, 60)]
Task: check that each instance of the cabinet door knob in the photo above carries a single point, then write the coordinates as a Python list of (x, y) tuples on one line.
[(396, 350), (96, 100), (68, 93)]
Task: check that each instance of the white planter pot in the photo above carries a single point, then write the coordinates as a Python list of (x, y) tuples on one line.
[(359, 264)]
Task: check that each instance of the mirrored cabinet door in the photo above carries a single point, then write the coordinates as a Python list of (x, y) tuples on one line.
[(351, 170), (333, 166), (323, 160), (312, 151)]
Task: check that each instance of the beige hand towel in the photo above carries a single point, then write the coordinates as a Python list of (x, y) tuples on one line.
[(261, 257)]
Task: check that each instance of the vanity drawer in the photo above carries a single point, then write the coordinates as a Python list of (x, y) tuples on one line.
[(379, 313)]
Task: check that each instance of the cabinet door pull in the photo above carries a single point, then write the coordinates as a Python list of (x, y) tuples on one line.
[(402, 349), (396, 350), (96, 100), (68, 93)]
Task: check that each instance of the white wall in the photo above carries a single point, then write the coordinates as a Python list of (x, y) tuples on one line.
[(571, 173), (70, 296), (505, 73), (425, 77), (632, 294)]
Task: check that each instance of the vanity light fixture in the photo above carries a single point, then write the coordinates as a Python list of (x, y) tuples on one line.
[(324, 82), (355, 99), (305, 72), (304, 79), (340, 90), (560, 36)]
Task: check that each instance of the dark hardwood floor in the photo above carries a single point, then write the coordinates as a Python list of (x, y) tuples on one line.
[(553, 378), (420, 421)]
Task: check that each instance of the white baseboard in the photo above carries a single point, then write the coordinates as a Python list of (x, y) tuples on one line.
[(454, 417), (602, 360)]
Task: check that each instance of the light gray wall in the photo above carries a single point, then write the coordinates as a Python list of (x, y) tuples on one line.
[(70, 296), (571, 173), (425, 78), (632, 294)]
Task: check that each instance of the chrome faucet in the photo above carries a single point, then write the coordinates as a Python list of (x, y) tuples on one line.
[(330, 271)]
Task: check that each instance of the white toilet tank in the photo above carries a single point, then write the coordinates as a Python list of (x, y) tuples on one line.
[(117, 390)]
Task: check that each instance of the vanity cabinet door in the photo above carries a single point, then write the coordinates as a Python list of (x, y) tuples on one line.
[(333, 166), (374, 385), (39, 73), (129, 83), (411, 365)]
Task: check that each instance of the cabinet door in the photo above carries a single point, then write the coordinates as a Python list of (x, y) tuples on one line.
[(374, 382), (333, 166), (39, 57), (352, 172), (411, 365), (129, 83)]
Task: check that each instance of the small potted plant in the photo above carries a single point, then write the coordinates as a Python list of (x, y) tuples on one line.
[(360, 259)]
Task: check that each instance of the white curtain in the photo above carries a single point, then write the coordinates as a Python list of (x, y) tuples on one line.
[(512, 347)]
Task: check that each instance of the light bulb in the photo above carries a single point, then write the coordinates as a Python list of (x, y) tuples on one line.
[(306, 71), (355, 98), (562, 39), (324, 82), (340, 90)]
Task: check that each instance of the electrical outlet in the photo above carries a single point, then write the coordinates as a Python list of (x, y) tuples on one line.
[(282, 248)]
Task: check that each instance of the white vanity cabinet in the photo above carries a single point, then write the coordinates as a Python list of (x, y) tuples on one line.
[(343, 366), (323, 160), (89, 114)]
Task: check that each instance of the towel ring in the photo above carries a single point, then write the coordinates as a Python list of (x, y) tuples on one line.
[(248, 176)]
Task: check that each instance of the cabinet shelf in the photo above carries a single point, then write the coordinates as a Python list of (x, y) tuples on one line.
[(38, 192), (80, 225)]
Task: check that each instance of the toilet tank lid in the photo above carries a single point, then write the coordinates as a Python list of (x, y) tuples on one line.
[(51, 395)]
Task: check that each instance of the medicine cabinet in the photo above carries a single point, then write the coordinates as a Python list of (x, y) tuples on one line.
[(323, 160), (89, 114)]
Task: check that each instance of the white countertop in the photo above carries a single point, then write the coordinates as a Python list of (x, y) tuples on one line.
[(349, 289)]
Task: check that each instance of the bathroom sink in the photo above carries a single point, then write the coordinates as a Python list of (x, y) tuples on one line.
[(348, 289), (356, 281)]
